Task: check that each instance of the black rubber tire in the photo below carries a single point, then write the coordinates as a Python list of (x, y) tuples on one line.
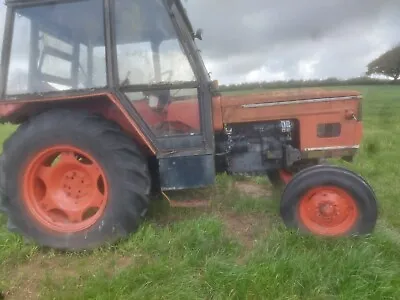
[(124, 166), (320, 175), (3, 197), (2, 185)]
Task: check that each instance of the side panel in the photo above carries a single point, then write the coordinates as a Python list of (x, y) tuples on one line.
[(186, 172), (310, 115)]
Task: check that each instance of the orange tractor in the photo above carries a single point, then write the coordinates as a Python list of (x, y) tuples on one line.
[(113, 100)]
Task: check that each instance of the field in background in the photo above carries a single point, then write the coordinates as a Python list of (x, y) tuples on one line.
[(238, 248)]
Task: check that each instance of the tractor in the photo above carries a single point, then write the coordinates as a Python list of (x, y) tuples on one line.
[(112, 101)]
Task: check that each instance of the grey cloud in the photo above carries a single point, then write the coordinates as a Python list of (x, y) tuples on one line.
[(253, 25), (280, 35)]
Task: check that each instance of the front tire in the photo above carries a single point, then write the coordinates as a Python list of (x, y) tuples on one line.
[(74, 181), (329, 201)]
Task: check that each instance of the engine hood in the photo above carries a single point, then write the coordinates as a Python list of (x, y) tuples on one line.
[(285, 96)]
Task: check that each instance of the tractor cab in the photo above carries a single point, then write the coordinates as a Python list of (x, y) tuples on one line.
[(141, 52)]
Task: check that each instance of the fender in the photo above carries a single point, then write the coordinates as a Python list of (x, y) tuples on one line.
[(105, 104)]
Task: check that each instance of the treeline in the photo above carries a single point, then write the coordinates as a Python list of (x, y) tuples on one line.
[(305, 83)]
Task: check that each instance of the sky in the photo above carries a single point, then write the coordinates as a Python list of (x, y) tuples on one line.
[(267, 40)]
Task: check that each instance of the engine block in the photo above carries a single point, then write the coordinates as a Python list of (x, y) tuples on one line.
[(255, 148)]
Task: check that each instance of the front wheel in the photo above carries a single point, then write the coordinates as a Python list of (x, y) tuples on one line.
[(329, 201), (73, 181)]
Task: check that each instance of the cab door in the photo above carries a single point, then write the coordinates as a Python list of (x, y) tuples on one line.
[(158, 72)]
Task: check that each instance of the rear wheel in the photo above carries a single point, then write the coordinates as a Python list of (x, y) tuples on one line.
[(73, 181), (329, 201)]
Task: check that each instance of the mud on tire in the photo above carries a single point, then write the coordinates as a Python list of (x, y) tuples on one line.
[(121, 161)]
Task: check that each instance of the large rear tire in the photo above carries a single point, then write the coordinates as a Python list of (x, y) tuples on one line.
[(329, 201), (73, 181)]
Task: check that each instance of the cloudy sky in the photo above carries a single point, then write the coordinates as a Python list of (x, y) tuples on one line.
[(247, 40), (253, 40)]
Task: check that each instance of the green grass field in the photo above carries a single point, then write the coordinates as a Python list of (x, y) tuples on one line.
[(238, 248)]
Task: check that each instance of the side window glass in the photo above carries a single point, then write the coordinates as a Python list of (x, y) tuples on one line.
[(174, 62), (135, 63), (55, 47), (148, 48), (19, 58), (83, 79), (149, 52), (2, 23), (54, 62)]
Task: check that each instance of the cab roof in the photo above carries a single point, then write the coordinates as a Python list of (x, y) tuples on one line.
[(79, 28), (53, 19)]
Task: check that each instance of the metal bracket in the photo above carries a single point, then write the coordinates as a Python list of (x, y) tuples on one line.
[(291, 155)]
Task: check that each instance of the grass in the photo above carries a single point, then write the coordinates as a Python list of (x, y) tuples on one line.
[(238, 248)]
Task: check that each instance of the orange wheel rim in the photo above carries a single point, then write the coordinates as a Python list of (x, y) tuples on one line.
[(328, 211), (65, 189)]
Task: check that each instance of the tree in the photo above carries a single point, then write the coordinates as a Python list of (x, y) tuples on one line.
[(388, 64)]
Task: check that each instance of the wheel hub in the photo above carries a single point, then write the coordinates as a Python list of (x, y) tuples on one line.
[(326, 204), (65, 189), (328, 210), (76, 184)]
